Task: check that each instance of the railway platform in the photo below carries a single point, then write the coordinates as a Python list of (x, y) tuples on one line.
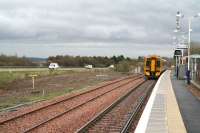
[(162, 114), (189, 106)]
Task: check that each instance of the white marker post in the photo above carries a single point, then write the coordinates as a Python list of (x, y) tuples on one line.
[(33, 79)]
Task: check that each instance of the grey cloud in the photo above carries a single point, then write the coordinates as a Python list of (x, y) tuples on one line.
[(109, 22)]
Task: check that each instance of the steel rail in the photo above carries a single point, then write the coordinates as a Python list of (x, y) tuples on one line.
[(68, 98), (137, 109), (69, 110), (84, 128)]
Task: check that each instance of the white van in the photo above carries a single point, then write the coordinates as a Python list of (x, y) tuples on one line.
[(111, 66), (53, 66), (88, 66)]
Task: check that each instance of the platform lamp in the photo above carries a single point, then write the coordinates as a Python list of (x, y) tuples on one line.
[(189, 41), (177, 30)]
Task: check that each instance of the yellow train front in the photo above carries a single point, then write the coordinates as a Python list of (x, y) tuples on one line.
[(153, 67)]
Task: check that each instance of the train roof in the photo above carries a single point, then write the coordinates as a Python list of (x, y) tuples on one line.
[(155, 56)]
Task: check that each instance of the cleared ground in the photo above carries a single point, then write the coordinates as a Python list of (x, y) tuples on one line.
[(16, 85), (41, 69)]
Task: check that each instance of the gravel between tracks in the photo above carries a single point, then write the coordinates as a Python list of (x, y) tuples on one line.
[(134, 123), (117, 117), (74, 120), (25, 109), (24, 123)]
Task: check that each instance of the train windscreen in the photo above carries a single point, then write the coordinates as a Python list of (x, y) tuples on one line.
[(148, 63), (158, 63)]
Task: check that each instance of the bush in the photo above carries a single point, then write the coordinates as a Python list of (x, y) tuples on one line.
[(123, 66)]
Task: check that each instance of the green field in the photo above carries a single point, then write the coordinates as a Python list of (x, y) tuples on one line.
[(13, 92), (38, 69), (7, 76)]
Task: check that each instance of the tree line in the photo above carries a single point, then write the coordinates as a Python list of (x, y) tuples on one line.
[(64, 61), (121, 62), (15, 61), (80, 61)]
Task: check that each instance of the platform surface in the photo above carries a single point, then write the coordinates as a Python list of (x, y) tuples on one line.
[(161, 114), (189, 106)]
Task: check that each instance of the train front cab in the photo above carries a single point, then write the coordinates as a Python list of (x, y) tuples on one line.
[(152, 67)]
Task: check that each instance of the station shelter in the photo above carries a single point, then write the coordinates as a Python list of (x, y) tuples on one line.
[(195, 67)]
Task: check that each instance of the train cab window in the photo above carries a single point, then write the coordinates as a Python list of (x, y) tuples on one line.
[(158, 63), (148, 63)]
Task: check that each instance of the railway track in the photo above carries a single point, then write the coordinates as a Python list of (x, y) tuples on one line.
[(119, 116), (50, 112)]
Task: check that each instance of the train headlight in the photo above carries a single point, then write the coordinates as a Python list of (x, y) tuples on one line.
[(157, 73), (148, 73)]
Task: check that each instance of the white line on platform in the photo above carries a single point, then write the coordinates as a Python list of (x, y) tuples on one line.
[(142, 124)]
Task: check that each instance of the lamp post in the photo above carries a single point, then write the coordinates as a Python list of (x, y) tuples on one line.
[(189, 41), (189, 30), (177, 30)]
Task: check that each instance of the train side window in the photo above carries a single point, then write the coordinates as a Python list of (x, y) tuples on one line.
[(158, 63)]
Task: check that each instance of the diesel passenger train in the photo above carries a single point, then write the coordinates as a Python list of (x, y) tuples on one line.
[(153, 66)]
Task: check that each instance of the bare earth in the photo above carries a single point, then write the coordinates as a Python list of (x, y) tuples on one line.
[(19, 90)]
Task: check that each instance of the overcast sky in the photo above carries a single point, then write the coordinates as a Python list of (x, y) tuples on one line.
[(92, 27)]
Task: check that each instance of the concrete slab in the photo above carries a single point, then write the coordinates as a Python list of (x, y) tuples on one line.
[(161, 114), (195, 84), (189, 106)]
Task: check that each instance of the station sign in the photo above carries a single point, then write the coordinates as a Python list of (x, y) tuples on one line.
[(178, 52)]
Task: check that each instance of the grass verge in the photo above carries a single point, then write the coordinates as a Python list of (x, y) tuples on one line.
[(7, 77), (13, 101)]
